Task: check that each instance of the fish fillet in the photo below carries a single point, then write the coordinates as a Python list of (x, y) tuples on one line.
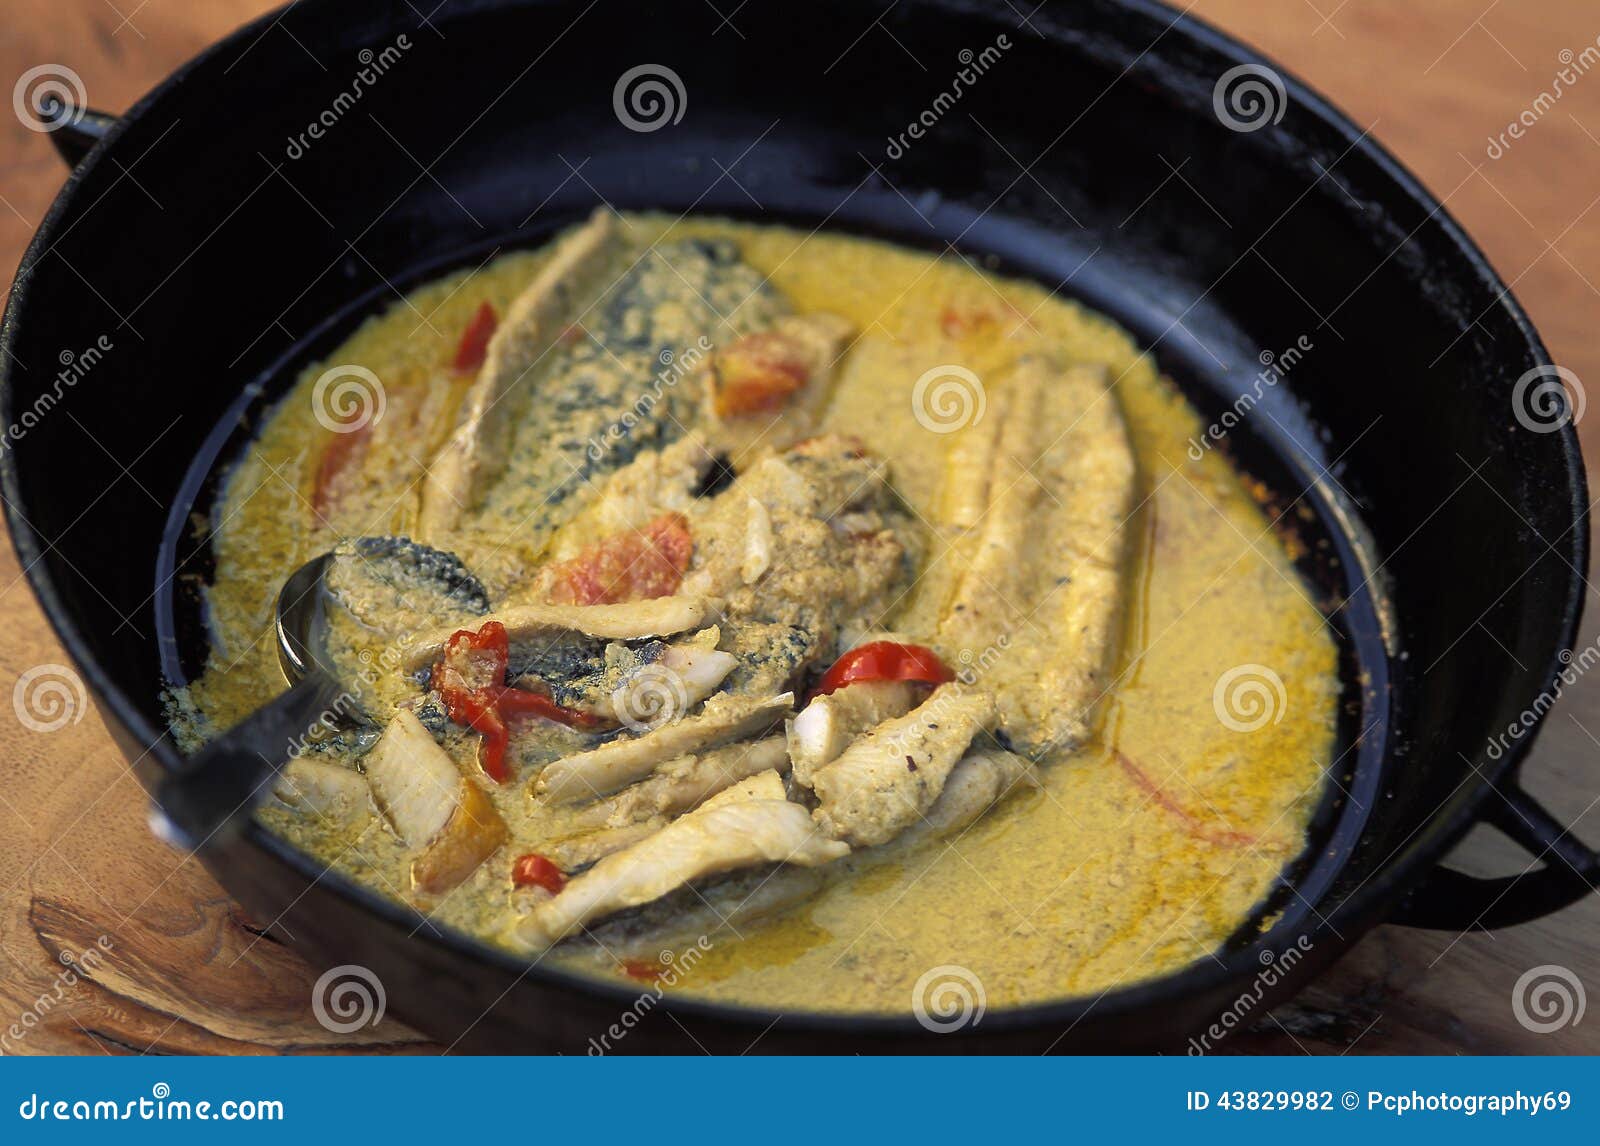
[(885, 780), (475, 452), (601, 770), (630, 621), (684, 783), (722, 836), (979, 780), (826, 726), (1045, 564)]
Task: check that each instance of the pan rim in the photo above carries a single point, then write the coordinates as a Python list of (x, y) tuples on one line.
[(1397, 875)]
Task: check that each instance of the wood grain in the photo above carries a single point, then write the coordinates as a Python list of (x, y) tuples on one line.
[(185, 971)]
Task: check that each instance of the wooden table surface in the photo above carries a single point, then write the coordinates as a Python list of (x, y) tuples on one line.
[(1433, 79)]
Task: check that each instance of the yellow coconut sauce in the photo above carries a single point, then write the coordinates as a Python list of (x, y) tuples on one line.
[(1140, 852)]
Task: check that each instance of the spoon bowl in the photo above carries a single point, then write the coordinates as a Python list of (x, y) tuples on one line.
[(301, 620), (216, 789)]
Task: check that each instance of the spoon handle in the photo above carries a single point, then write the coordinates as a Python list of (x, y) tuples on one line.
[(213, 792)]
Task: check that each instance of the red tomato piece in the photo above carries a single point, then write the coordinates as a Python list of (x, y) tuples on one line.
[(515, 702), (758, 373), (885, 660), (534, 870), (474, 660), (636, 565), (486, 722)]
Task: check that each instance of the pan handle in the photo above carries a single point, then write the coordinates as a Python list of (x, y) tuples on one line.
[(77, 130), (216, 790), (1449, 900)]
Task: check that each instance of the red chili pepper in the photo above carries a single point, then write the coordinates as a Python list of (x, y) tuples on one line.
[(470, 678), (534, 870), (342, 454), (478, 713), (475, 339), (515, 702), (885, 660)]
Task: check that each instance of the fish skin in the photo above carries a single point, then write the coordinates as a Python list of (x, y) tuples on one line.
[(475, 451)]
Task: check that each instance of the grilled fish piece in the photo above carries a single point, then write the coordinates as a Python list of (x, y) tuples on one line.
[(980, 780), (475, 453), (645, 685), (601, 770), (826, 726), (1045, 563), (580, 851), (971, 463), (431, 805), (685, 783), (634, 620), (713, 910), (328, 792), (887, 779), (746, 825)]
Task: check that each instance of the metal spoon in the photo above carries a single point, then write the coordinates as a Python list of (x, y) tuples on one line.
[(213, 792), (216, 790)]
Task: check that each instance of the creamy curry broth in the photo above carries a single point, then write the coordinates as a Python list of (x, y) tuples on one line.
[(1139, 852)]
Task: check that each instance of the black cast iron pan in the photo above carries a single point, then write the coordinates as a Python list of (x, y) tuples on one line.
[(210, 241)]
